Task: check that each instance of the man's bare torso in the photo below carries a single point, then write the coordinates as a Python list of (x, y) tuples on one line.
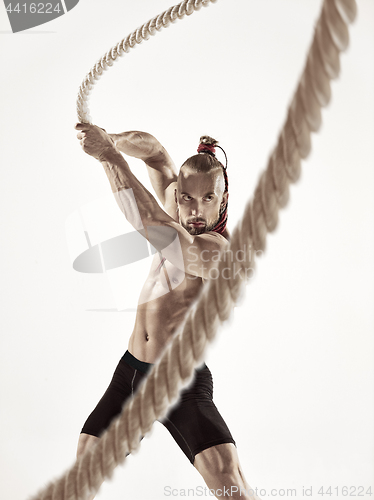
[(192, 202), (165, 297)]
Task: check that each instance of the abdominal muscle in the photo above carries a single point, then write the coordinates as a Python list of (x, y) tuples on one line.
[(163, 303)]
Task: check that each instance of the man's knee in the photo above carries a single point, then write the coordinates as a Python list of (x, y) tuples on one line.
[(221, 460), (230, 474), (85, 442)]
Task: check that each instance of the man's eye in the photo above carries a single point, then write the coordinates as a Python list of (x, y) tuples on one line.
[(186, 197), (208, 198)]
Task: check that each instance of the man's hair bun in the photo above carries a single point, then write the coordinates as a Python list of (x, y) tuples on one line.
[(208, 141)]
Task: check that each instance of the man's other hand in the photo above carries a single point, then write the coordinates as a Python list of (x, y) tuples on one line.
[(95, 141)]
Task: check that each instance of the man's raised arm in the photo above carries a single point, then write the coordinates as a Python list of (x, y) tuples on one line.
[(97, 143), (198, 252)]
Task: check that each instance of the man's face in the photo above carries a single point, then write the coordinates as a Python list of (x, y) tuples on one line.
[(199, 198)]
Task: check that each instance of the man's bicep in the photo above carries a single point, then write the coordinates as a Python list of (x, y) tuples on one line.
[(162, 173)]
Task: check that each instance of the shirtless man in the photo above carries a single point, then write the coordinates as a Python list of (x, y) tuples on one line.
[(195, 213)]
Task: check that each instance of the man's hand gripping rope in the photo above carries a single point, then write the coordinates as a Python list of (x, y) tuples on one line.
[(95, 141)]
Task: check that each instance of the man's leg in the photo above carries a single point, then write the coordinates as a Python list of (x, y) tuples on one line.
[(220, 468), (125, 381), (204, 437)]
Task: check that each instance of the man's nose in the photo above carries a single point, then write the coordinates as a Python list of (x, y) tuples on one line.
[(196, 209)]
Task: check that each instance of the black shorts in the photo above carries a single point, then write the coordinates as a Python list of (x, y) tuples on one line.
[(195, 423)]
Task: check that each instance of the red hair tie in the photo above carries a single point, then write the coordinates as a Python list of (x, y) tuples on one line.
[(206, 147)]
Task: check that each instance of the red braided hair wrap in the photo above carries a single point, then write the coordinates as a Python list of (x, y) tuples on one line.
[(222, 221)]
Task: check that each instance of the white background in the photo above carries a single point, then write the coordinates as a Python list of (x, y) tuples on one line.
[(293, 371)]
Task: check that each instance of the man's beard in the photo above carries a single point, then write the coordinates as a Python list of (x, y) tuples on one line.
[(199, 230)]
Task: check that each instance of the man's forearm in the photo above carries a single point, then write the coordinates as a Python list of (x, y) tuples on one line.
[(121, 178)]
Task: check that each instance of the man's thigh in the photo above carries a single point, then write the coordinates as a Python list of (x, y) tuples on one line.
[(122, 386), (195, 422)]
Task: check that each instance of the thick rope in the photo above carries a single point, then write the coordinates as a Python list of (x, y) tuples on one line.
[(174, 369), (163, 20)]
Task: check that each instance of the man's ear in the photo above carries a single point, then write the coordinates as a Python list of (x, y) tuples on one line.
[(175, 196), (225, 198)]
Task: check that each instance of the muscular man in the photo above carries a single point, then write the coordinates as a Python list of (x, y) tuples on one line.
[(193, 220)]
